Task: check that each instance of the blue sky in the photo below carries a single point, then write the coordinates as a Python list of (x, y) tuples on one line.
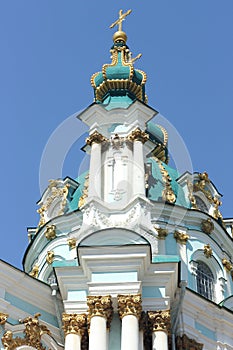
[(49, 50)]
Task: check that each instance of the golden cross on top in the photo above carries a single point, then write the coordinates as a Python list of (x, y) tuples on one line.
[(120, 19)]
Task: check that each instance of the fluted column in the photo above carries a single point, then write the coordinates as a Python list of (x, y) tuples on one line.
[(138, 137), (99, 319), (95, 140), (74, 328), (160, 322), (130, 309)]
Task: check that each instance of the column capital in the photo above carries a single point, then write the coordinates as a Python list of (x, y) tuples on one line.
[(160, 320), (74, 323), (95, 137), (100, 306), (138, 135), (130, 305)]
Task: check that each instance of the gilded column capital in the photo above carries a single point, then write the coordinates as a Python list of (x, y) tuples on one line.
[(181, 237), (74, 323), (138, 135), (95, 137), (130, 305), (3, 318), (100, 306), (160, 320)]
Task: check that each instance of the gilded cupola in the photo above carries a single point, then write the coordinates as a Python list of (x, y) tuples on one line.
[(119, 83)]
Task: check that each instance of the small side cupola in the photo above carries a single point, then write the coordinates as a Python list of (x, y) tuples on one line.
[(119, 84)]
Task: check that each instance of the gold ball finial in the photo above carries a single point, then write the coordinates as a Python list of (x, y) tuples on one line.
[(119, 36)]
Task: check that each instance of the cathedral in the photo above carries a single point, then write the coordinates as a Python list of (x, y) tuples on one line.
[(131, 255)]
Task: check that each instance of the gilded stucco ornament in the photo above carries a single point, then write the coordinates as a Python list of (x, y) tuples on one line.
[(35, 271), (168, 195), (208, 251), (181, 237), (130, 305), (50, 232), (72, 243), (227, 264), (56, 190), (162, 232), (203, 180), (159, 320), (3, 318), (50, 257), (207, 226), (82, 199), (191, 196), (32, 335), (100, 306), (74, 323), (216, 212)]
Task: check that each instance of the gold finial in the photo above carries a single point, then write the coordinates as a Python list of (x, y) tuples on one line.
[(120, 19)]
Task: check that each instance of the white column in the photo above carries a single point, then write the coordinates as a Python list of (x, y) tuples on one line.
[(138, 137), (160, 321), (159, 340), (95, 140), (99, 315), (74, 328), (129, 307), (98, 333), (129, 333), (139, 171), (73, 341)]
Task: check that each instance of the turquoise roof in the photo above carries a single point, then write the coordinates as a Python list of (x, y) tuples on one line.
[(73, 203)]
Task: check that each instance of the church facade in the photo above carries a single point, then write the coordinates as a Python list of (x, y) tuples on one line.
[(131, 255)]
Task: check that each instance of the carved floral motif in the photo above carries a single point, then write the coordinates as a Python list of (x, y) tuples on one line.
[(32, 335), (226, 263), (130, 305), (50, 232), (208, 251), (159, 320), (72, 243), (50, 256), (35, 271), (3, 318), (207, 226), (162, 232), (74, 323)]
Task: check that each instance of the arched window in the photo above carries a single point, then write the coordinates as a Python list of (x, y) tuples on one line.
[(205, 281)]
